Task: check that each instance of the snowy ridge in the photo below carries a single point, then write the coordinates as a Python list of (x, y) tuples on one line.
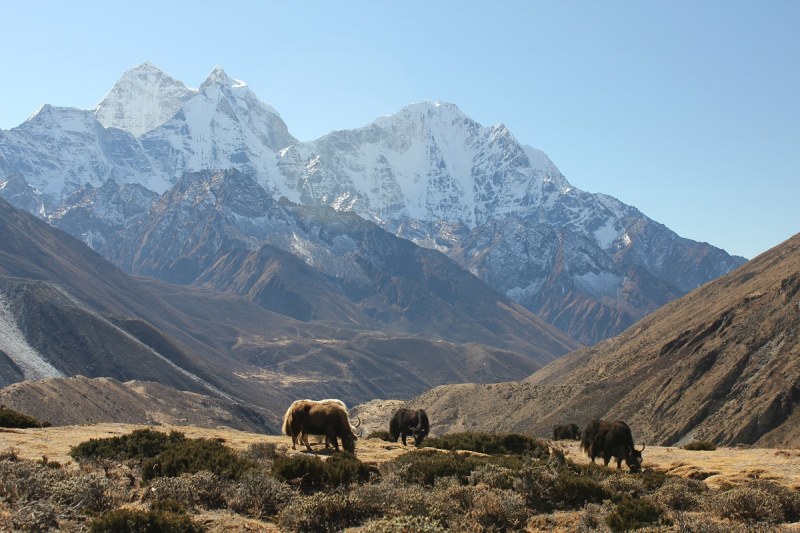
[(144, 98), (14, 345), (428, 173)]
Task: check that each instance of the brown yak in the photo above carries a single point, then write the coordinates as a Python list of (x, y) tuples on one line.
[(327, 417)]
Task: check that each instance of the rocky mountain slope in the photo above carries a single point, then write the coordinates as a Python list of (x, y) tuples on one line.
[(721, 363), (80, 400), (66, 311), (428, 173)]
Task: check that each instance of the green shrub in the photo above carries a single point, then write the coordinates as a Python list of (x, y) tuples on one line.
[(572, 490), (49, 464), (342, 468), (491, 444), (129, 521), (701, 446), (345, 468), (138, 445), (195, 455), (633, 514), (310, 471), (168, 506), (426, 466), (14, 419), (380, 434)]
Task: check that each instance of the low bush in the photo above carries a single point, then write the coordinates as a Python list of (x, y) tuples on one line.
[(761, 501), (345, 468), (138, 445), (202, 489), (746, 504), (424, 467), (624, 484), (153, 521), (491, 444), (381, 434), (633, 514), (195, 455), (49, 464), (680, 494), (33, 517), (342, 468), (404, 524), (308, 471), (16, 420), (570, 490), (494, 476), (497, 510), (324, 512), (701, 445), (262, 453), (258, 494)]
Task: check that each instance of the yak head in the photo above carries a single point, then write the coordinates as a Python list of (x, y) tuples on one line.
[(634, 458), (419, 432), (349, 440)]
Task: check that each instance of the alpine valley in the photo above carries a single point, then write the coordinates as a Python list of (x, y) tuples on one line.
[(136, 179)]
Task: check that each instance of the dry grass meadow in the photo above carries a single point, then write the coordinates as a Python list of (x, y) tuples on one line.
[(724, 467)]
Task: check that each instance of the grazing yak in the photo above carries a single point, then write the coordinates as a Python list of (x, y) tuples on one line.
[(567, 432), (611, 440), (409, 422), (327, 417)]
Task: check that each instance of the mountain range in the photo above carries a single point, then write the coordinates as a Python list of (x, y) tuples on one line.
[(66, 311), (587, 263)]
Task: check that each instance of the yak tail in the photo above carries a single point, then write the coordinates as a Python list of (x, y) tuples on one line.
[(288, 419), (394, 429)]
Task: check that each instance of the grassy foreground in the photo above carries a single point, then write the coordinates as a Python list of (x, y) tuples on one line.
[(152, 481)]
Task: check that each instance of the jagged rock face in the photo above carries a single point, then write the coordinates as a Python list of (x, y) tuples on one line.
[(144, 98), (93, 214), (18, 192), (428, 173)]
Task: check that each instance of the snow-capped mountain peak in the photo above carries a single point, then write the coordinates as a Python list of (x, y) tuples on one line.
[(143, 98)]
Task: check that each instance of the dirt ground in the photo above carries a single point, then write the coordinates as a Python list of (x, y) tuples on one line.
[(733, 465)]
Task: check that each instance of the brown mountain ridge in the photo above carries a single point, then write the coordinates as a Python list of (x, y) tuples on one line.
[(721, 364)]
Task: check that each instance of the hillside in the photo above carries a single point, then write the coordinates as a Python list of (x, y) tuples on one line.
[(721, 363)]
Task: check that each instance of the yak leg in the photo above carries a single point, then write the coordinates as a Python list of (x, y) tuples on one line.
[(332, 437), (304, 440), (294, 442), (403, 436)]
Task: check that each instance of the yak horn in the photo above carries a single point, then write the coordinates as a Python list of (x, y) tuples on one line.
[(359, 421), (643, 446)]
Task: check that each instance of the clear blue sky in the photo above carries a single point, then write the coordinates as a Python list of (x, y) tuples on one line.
[(688, 110)]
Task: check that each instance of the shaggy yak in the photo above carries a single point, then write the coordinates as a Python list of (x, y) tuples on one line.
[(326, 417), (407, 422), (611, 440), (567, 432)]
